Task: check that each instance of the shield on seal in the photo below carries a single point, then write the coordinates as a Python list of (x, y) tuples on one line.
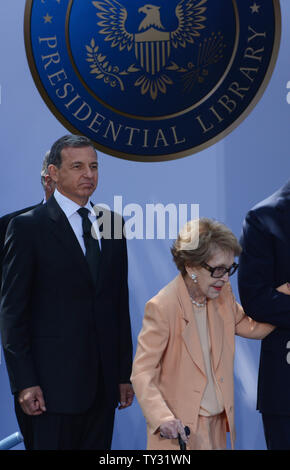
[(152, 50)]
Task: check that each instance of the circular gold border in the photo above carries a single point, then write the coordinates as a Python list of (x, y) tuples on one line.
[(153, 158), (157, 118)]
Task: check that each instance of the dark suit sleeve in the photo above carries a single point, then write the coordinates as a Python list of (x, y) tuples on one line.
[(125, 338), (4, 222), (18, 270), (3, 227), (256, 279)]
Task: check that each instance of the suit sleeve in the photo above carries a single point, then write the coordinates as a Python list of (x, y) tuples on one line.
[(152, 342), (257, 287), (3, 228), (125, 342), (14, 314)]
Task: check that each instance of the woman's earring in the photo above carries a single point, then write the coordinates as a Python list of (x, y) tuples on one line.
[(194, 278)]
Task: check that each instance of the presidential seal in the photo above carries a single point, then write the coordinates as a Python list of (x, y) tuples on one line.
[(152, 81)]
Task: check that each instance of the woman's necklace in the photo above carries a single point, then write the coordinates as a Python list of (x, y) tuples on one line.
[(203, 304)]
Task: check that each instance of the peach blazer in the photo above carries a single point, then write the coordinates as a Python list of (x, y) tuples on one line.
[(168, 373)]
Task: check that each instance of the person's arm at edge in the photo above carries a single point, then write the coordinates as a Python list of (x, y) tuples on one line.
[(259, 296)]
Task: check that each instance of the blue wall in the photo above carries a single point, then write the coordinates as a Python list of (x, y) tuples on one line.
[(225, 180)]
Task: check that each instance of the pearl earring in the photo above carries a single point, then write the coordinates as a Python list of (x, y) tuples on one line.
[(194, 278)]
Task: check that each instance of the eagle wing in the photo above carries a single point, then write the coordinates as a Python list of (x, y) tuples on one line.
[(113, 18), (190, 21)]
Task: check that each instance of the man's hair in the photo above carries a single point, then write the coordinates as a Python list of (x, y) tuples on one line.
[(71, 140), (44, 170)]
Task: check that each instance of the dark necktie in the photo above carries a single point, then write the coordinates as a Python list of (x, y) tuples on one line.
[(91, 244)]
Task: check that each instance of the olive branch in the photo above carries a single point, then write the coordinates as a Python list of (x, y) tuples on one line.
[(102, 68), (210, 52)]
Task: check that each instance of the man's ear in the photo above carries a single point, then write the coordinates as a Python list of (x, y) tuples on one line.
[(49, 183), (53, 172)]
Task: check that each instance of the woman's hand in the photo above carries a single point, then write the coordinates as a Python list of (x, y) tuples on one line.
[(171, 429), (284, 288)]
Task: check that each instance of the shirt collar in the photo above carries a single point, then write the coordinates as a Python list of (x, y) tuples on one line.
[(70, 207)]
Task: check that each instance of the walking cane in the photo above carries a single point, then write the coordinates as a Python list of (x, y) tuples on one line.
[(182, 444)]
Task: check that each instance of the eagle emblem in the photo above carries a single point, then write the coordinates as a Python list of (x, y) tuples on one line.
[(152, 80), (152, 43)]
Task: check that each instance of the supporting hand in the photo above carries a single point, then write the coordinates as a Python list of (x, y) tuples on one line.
[(284, 288), (126, 396)]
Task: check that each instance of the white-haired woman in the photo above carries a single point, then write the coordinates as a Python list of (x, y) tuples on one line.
[(183, 369)]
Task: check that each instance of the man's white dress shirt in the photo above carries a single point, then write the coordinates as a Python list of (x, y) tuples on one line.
[(70, 209)]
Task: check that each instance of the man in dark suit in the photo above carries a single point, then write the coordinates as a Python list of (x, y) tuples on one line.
[(48, 188), (64, 313), (265, 265)]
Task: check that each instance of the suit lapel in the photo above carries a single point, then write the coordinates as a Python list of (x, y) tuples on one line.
[(190, 333), (105, 241), (216, 331), (61, 228)]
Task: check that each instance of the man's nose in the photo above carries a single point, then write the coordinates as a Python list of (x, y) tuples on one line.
[(88, 172)]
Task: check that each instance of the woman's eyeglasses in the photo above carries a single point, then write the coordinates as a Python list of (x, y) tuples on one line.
[(220, 271)]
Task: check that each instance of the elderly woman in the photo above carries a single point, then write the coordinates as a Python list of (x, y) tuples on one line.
[(183, 368)]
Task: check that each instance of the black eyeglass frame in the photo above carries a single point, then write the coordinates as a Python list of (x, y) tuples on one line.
[(231, 270)]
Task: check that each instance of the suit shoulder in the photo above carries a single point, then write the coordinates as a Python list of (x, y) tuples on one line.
[(26, 218), (105, 212), (226, 295), (164, 299), (267, 211), (5, 219), (269, 205), (9, 219), (227, 303)]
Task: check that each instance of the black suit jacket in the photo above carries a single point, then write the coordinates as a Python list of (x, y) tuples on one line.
[(59, 329), (265, 265), (4, 222)]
